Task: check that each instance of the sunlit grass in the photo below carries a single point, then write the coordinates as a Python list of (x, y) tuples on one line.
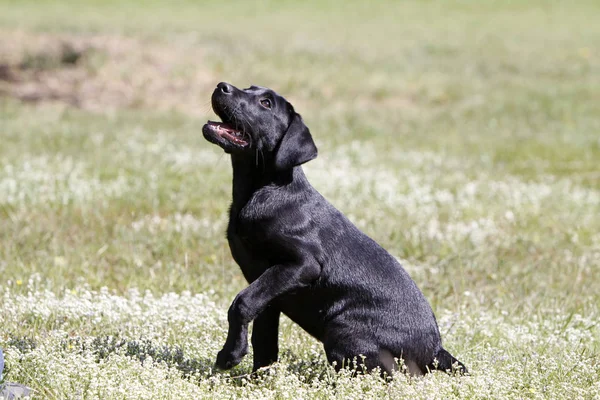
[(463, 137)]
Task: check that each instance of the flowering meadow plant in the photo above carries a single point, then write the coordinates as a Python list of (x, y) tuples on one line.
[(463, 138)]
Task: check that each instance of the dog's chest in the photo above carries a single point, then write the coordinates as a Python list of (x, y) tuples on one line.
[(247, 247)]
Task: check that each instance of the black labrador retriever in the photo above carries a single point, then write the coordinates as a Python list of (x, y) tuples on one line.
[(303, 257)]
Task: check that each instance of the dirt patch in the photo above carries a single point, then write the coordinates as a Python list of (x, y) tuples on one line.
[(104, 73)]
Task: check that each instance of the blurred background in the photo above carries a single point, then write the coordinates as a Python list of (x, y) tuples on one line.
[(103, 103), (464, 136), (109, 96)]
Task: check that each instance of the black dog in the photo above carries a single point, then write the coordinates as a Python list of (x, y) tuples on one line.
[(303, 257)]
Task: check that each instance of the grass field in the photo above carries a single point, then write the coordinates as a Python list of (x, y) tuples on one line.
[(463, 136)]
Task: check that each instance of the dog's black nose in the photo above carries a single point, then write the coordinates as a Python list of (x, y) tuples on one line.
[(225, 87)]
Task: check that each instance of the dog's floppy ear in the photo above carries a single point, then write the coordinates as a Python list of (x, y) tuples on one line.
[(296, 146)]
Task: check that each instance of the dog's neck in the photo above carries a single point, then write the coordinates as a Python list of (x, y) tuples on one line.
[(250, 176)]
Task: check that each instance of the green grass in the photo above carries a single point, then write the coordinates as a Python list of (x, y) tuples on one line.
[(462, 136)]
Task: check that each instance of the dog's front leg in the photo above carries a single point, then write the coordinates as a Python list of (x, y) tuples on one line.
[(265, 335), (253, 300)]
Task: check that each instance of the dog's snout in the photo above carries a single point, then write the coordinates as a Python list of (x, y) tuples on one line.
[(225, 87)]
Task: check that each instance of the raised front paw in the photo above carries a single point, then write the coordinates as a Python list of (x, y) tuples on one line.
[(229, 358)]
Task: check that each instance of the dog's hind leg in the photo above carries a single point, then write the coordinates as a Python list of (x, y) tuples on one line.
[(360, 353)]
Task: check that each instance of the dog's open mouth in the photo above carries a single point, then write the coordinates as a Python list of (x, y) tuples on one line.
[(228, 132)]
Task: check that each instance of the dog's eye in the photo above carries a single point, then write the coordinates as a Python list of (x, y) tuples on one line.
[(266, 103)]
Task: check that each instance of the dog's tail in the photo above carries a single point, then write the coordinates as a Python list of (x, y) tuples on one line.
[(444, 361)]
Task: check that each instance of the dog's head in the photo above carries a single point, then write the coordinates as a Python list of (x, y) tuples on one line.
[(258, 120)]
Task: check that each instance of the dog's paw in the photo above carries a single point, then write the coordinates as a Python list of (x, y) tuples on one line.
[(227, 359)]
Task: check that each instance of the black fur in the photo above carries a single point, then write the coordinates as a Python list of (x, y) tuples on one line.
[(304, 258)]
